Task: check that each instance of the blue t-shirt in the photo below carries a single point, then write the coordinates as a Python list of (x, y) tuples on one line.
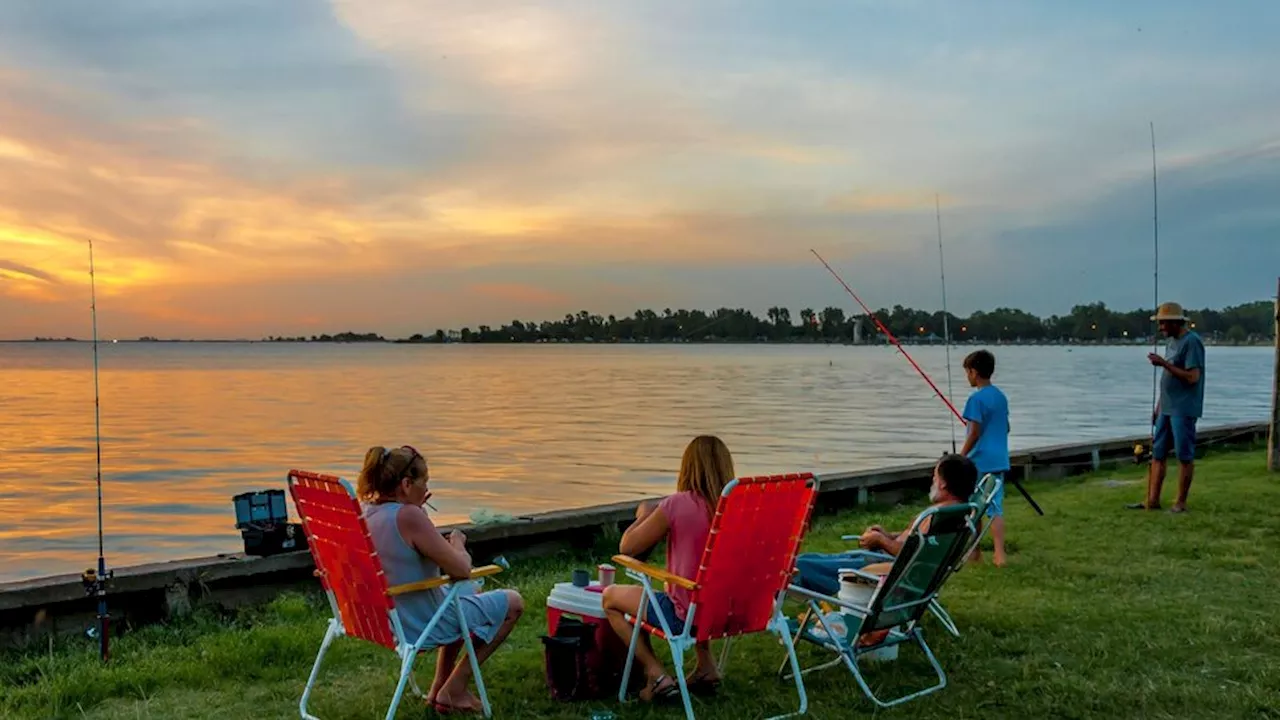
[(1176, 397), (990, 409)]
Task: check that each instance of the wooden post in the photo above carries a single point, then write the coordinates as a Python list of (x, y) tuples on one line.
[(1273, 437)]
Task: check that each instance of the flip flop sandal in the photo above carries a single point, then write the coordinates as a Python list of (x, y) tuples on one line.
[(670, 692), (1140, 506)]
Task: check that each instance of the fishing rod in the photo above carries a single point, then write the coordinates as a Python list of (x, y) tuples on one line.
[(880, 326), (946, 316), (915, 365), (1155, 228), (95, 582)]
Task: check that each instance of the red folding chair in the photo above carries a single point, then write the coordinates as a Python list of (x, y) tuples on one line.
[(363, 604), (742, 579)]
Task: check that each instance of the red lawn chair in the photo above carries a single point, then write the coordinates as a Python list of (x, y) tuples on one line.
[(351, 573), (743, 578)]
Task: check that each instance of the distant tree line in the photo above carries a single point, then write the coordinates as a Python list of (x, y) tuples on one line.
[(1092, 323)]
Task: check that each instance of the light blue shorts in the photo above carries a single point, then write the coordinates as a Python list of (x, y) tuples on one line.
[(996, 508), (485, 613)]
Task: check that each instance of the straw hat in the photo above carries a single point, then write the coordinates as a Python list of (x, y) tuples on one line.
[(1169, 311)]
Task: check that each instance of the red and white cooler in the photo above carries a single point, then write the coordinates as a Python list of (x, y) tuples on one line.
[(585, 604), (604, 655)]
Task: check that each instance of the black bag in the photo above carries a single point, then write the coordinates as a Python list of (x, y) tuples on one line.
[(569, 661)]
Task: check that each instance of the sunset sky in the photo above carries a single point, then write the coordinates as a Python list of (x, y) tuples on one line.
[(255, 167)]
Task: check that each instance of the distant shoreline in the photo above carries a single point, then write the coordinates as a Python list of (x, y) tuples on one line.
[(1140, 342), (1091, 324)]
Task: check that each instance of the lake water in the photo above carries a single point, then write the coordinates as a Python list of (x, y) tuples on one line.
[(508, 429)]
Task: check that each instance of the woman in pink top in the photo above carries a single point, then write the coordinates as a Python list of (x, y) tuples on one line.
[(684, 519)]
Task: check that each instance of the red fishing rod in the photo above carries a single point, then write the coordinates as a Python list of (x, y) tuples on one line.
[(881, 327), (889, 335)]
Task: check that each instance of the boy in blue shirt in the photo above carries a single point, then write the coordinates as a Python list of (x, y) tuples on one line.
[(987, 441)]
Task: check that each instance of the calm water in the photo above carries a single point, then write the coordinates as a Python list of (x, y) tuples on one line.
[(509, 429)]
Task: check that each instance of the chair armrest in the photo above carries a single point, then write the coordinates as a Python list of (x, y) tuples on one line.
[(631, 563), (484, 571)]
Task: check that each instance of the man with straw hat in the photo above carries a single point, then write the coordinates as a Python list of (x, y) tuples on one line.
[(1180, 406)]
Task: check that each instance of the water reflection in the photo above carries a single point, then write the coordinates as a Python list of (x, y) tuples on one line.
[(512, 429)]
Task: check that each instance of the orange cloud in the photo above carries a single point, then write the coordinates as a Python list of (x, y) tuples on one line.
[(187, 238), (521, 294)]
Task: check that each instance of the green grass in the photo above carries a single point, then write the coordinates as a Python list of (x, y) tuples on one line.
[(1102, 612)]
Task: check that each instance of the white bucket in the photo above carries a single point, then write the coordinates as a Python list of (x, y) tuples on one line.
[(858, 591)]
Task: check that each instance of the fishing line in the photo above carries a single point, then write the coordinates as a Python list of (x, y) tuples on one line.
[(95, 583), (946, 316), (1155, 227), (914, 364)]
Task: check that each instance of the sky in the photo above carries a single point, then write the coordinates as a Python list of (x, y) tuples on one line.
[(247, 168)]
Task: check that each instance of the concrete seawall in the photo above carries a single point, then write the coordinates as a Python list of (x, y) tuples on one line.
[(33, 609)]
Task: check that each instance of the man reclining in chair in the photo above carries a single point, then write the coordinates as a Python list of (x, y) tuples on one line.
[(954, 480)]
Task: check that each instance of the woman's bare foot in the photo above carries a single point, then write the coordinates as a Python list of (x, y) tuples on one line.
[(999, 560), (453, 701)]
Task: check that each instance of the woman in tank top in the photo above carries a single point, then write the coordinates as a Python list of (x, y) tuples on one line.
[(393, 489), (684, 520)]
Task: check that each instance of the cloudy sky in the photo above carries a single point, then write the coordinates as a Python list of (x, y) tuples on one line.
[(254, 167)]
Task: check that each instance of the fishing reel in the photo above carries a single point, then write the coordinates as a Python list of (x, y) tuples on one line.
[(95, 584)]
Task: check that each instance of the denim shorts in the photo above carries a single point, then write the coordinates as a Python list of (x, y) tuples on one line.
[(1178, 430), (665, 607)]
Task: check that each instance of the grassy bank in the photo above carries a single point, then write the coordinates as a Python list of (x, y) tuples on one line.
[(1103, 612)]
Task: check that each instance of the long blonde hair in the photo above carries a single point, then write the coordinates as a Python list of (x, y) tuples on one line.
[(705, 469), (384, 468)]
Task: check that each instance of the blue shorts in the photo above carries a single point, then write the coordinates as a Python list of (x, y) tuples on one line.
[(996, 508), (665, 607), (1178, 430), (820, 572)]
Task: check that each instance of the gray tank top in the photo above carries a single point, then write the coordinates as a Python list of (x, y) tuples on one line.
[(403, 564)]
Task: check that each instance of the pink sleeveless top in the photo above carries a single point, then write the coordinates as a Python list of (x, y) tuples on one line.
[(688, 524)]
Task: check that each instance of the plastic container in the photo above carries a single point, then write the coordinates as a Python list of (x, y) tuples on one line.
[(262, 507), (858, 591)]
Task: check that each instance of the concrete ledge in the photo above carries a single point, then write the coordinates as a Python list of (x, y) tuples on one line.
[(30, 609)]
